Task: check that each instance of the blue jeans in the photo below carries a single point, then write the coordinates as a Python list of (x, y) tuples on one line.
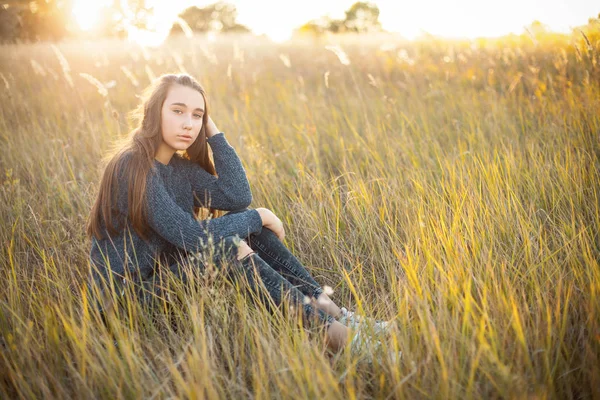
[(272, 265)]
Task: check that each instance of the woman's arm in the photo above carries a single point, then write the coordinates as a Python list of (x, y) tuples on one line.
[(181, 229), (231, 190)]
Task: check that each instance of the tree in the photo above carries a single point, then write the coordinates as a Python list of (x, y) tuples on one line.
[(134, 12), (9, 23), (34, 20), (220, 16), (361, 17), (316, 26)]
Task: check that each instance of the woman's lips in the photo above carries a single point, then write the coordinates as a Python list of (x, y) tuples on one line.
[(185, 137)]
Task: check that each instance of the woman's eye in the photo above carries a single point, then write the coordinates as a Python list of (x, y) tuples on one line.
[(197, 115), (176, 111)]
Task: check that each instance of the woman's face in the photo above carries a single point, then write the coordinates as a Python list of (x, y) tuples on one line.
[(181, 117)]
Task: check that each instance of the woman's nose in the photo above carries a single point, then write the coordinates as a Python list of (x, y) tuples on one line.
[(187, 124)]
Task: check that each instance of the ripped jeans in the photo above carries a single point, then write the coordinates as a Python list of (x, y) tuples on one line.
[(272, 265)]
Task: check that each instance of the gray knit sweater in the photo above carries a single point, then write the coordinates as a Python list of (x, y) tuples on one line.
[(172, 192)]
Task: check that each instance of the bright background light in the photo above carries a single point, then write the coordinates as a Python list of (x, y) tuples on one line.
[(86, 12), (459, 18)]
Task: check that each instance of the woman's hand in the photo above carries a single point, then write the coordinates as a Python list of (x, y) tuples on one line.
[(271, 222), (210, 128)]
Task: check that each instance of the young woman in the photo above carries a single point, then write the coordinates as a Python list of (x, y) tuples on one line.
[(151, 189)]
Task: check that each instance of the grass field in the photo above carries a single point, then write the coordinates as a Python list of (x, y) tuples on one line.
[(453, 186)]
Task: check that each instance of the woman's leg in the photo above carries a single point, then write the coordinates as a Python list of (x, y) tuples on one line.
[(246, 264), (257, 272), (272, 250), (243, 263), (184, 267), (254, 270)]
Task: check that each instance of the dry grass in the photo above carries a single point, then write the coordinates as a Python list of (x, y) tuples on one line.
[(452, 186)]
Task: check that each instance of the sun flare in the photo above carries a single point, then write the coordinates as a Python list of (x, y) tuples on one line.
[(86, 13), (463, 18)]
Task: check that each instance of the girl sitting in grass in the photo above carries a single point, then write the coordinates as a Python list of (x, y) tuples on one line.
[(153, 186)]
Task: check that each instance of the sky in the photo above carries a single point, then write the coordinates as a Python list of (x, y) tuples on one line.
[(456, 18)]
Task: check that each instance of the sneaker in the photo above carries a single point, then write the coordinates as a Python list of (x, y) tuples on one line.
[(369, 348), (353, 321), (362, 345)]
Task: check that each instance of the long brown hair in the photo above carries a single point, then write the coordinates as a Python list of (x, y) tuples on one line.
[(140, 148)]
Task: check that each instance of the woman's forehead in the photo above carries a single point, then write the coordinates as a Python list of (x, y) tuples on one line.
[(191, 98)]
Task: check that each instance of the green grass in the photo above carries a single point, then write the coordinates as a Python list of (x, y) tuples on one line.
[(452, 186)]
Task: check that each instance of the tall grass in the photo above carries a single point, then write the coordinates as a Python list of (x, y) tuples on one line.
[(452, 186)]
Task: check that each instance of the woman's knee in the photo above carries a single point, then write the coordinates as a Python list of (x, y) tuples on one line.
[(265, 239), (244, 250)]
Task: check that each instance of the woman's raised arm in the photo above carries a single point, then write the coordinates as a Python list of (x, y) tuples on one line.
[(231, 190), (181, 229)]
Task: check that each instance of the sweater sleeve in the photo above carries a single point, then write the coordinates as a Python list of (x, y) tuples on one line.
[(231, 190), (181, 229)]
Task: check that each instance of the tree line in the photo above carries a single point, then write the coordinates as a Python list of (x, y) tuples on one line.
[(32, 20), (26, 20)]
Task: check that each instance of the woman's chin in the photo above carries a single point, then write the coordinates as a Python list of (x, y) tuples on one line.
[(183, 147)]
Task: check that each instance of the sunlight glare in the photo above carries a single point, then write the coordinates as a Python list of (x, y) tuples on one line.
[(466, 18), (279, 35), (159, 23), (146, 38), (86, 12), (211, 36)]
